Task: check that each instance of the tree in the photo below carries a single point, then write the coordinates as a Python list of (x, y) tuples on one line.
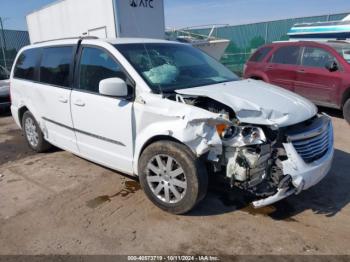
[(284, 38), (233, 48), (257, 42)]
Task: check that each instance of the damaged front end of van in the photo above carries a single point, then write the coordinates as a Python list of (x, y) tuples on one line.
[(271, 153)]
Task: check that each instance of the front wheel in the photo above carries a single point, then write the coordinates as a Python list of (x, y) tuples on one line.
[(172, 177), (346, 110)]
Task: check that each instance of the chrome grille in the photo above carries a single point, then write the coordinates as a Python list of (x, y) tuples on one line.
[(315, 141)]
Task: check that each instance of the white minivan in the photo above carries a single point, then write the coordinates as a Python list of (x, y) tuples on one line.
[(171, 115)]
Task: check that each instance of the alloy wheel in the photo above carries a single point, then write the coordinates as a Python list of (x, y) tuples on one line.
[(31, 132), (166, 178)]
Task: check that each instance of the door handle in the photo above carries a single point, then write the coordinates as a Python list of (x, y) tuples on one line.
[(79, 103), (301, 71), (269, 67), (63, 100)]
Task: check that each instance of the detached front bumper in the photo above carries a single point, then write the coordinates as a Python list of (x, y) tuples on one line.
[(304, 174)]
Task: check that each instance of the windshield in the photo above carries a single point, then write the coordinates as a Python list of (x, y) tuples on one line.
[(343, 50), (168, 67)]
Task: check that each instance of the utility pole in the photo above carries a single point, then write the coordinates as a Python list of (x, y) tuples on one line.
[(3, 44)]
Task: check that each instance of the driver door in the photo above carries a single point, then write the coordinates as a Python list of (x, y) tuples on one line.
[(103, 125)]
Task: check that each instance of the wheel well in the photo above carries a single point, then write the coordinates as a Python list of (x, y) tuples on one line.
[(158, 138), (21, 112), (256, 77), (346, 96)]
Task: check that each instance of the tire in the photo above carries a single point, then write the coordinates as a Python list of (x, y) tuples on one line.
[(33, 134), (346, 110), (191, 184)]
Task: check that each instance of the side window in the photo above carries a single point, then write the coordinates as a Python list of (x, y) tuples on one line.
[(288, 55), (259, 55), (316, 57), (96, 65), (55, 65), (26, 64)]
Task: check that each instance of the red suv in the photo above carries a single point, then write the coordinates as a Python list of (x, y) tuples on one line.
[(319, 71)]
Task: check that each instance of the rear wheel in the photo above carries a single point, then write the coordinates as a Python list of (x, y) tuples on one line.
[(172, 177), (33, 134), (346, 110)]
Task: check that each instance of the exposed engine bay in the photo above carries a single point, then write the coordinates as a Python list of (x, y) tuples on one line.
[(251, 154)]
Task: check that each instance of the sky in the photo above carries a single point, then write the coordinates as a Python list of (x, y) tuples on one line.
[(184, 13)]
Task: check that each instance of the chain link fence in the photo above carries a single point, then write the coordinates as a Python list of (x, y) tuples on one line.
[(11, 41), (245, 39)]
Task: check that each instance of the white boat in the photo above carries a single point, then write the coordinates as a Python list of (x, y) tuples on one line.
[(335, 30), (213, 46)]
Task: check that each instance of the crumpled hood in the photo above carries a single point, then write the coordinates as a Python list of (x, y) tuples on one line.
[(257, 102)]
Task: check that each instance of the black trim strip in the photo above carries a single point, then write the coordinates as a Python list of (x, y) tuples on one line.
[(85, 133)]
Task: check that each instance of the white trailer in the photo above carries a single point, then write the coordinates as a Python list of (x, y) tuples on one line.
[(101, 18)]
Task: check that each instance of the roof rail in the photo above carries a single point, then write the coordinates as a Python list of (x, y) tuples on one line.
[(294, 40), (68, 38), (316, 40)]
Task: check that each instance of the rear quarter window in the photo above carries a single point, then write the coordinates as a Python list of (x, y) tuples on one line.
[(26, 64), (259, 55)]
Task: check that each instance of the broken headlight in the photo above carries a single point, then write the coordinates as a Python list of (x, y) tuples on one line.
[(243, 136), (253, 135)]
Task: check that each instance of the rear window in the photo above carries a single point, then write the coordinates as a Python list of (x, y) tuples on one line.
[(259, 55), (26, 63), (55, 66), (288, 55)]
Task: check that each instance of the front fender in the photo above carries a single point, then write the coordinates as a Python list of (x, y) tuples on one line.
[(198, 135)]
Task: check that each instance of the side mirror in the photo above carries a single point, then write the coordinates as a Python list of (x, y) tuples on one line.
[(115, 87), (332, 66)]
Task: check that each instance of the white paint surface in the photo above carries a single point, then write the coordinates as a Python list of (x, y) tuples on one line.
[(101, 18)]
